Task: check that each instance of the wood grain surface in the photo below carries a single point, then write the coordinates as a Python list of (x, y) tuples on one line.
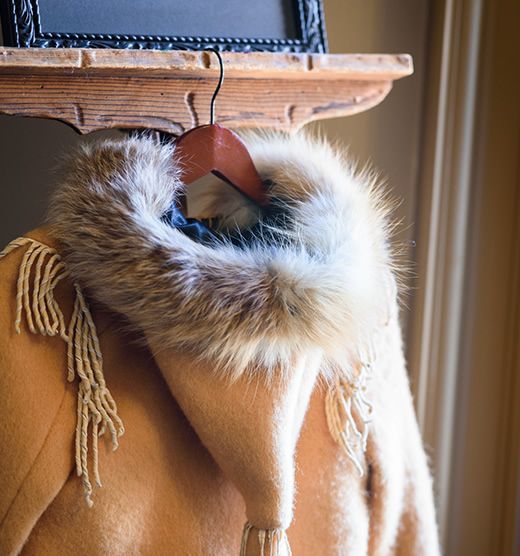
[(170, 91)]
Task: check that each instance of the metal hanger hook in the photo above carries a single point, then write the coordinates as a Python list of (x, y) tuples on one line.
[(219, 85)]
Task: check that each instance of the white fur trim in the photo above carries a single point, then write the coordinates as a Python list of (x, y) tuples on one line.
[(322, 286)]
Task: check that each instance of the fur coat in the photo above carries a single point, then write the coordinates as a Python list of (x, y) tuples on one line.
[(261, 384)]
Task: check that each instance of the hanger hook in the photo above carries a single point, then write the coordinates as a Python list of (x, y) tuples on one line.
[(219, 84)]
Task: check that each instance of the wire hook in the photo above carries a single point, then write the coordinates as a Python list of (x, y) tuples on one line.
[(219, 85)]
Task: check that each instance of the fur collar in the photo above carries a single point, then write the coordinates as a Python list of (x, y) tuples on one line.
[(323, 285)]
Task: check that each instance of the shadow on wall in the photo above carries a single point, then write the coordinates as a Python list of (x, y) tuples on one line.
[(30, 151)]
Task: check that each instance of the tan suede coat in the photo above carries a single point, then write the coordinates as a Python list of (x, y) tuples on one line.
[(200, 455)]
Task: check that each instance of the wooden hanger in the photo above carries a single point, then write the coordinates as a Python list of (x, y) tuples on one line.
[(218, 150)]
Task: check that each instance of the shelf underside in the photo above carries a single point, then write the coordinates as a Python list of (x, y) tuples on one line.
[(170, 91)]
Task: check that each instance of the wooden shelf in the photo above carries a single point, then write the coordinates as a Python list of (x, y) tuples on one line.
[(170, 91)]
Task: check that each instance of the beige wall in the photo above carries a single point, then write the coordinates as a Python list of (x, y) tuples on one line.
[(387, 136)]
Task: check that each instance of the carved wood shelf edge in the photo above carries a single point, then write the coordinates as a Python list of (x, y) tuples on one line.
[(170, 91)]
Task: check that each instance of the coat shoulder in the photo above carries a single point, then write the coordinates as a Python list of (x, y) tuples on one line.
[(37, 409)]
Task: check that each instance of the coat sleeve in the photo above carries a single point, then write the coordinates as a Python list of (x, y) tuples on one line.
[(401, 492), (418, 528), (36, 415)]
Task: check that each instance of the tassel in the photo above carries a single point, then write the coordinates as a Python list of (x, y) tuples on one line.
[(40, 272), (344, 402), (277, 541)]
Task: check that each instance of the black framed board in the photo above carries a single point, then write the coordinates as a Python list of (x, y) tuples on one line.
[(232, 25)]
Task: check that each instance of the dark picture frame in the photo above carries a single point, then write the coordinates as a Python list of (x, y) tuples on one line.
[(22, 27)]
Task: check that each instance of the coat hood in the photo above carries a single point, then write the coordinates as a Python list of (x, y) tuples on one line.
[(252, 325), (321, 285)]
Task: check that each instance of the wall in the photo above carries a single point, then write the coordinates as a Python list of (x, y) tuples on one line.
[(388, 136)]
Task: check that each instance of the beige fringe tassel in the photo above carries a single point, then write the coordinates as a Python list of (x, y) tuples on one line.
[(40, 272), (276, 538), (344, 403)]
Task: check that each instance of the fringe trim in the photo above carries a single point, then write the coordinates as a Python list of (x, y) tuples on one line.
[(348, 411), (277, 541), (40, 272)]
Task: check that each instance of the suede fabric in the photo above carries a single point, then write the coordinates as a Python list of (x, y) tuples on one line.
[(262, 386), (163, 492)]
